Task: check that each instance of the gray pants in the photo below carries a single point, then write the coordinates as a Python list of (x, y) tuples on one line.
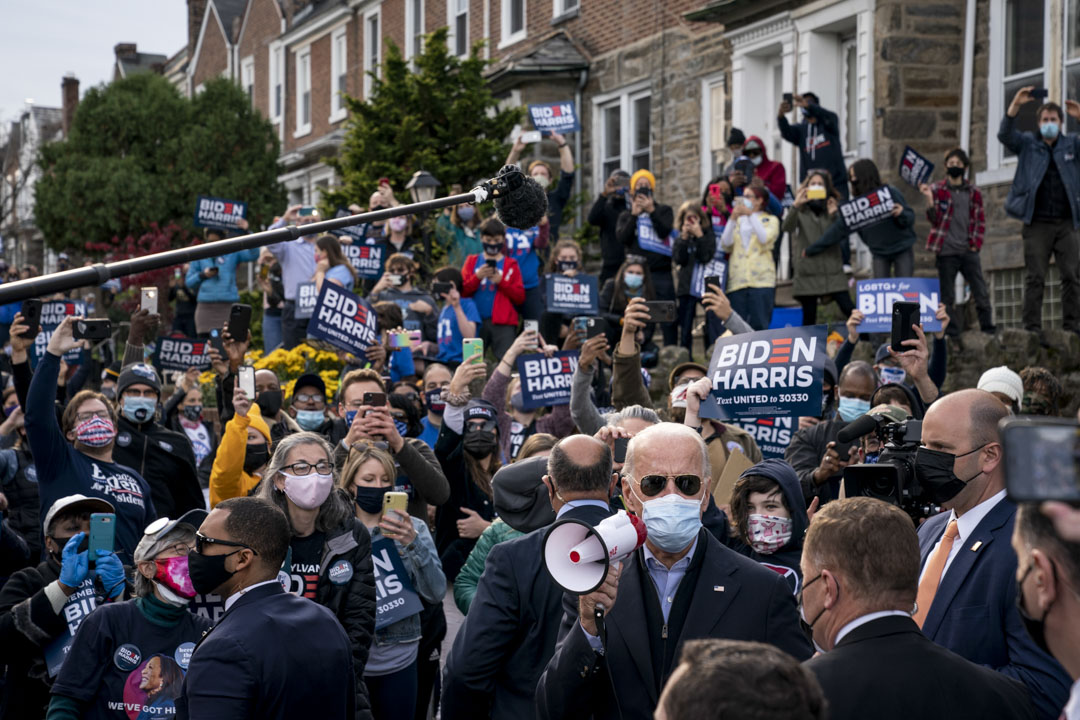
[(1041, 240), (902, 265)]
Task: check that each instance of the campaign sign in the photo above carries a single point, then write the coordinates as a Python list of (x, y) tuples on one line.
[(81, 603), (876, 298), (214, 212), (178, 354), (367, 260), (767, 373), (914, 168), (578, 295), (773, 434), (52, 314), (357, 232), (395, 598), (305, 300), (560, 117), (647, 239), (717, 266), (344, 320), (867, 210), (546, 380)]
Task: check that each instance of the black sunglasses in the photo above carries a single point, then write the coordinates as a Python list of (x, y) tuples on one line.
[(653, 485), (201, 541)]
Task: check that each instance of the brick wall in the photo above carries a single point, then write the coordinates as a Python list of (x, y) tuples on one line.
[(213, 57), (263, 27)]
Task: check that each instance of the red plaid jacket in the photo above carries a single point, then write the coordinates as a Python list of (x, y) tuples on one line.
[(940, 215)]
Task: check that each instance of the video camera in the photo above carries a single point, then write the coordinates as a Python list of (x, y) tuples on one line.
[(892, 478)]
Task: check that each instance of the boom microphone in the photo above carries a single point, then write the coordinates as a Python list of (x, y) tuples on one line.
[(520, 202), (862, 425)]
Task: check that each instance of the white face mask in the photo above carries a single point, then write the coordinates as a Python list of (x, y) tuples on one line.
[(768, 533), (308, 492)]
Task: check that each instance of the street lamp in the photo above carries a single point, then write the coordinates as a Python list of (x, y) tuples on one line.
[(421, 187)]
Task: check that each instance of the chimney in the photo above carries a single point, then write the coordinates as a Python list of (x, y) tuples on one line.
[(70, 94), (126, 51), (196, 12)]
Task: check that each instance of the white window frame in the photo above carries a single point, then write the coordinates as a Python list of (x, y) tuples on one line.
[(452, 15), (559, 9), (303, 84), (708, 114), (275, 79), (247, 77), (339, 56), (368, 66), (507, 38), (1000, 169), (624, 99), (851, 149), (414, 27)]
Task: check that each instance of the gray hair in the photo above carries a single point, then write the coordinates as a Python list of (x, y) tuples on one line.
[(334, 510), (148, 549), (672, 430), (632, 412)]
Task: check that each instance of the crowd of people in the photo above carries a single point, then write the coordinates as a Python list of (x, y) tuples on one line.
[(311, 550)]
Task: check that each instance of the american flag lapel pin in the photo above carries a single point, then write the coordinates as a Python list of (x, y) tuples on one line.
[(976, 546), (718, 588)]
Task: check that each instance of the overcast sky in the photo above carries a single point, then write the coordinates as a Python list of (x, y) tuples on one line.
[(44, 40)]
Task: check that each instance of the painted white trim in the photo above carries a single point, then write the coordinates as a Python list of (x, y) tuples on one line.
[(373, 13), (624, 97), (558, 8), (272, 79), (338, 66), (506, 38), (410, 31), (310, 32), (968, 80), (998, 175), (198, 43), (302, 129), (487, 29), (246, 64), (451, 24), (753, 33), (705, 133)]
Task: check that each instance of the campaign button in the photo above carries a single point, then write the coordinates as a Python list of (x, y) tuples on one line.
[(127, 657)]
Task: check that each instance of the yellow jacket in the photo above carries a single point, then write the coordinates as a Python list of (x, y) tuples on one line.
[(751, 266), (227, 478)]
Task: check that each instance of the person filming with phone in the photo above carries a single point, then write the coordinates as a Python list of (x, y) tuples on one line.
[(214, 279), (494, 282), (1045, 196), (297, 258)]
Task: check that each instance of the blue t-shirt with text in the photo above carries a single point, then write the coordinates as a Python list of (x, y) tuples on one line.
[(450, 334), (519, 245)]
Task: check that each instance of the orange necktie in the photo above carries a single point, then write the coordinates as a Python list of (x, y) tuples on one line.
[(935, 566)]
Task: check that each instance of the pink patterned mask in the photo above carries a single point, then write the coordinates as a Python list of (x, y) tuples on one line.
[(173, 574), (768, 533), (95, 432)]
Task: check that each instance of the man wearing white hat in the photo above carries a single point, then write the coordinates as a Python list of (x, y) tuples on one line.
[(1005, 385)]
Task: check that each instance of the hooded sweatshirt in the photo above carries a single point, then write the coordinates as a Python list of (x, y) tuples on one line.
[(771, 172), (784, 561)]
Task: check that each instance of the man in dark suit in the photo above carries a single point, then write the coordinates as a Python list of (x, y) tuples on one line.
[(681, 585), (967, 589), (861, 564), (273, 655), (510, 632)]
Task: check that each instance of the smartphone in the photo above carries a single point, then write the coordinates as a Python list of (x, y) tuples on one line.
[(96, 329), (815, 193), (399, 340), (581, 324), (713, 281), (415, 338), (246, 377), (217, 343), (1042, 458), (375, 399), (788, 98), (595, 326), (149, 300), (102, 534), (904, 315), (661, 311), (441, 288), (239, 321), (618, 453), (1039, 93), (531, 326), (715, 191), (398, 501), (213, 269), (31, 312), (308, 210), (394, 279), (530, 136), (643, 191), (472, 350), (491, 263)]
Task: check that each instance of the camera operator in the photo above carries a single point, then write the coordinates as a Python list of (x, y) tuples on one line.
[(967, 598), (1048, 592)]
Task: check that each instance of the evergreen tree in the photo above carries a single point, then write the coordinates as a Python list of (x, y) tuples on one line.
[(441, 118)]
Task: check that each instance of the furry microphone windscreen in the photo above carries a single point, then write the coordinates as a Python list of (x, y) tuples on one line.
[(524, 206)]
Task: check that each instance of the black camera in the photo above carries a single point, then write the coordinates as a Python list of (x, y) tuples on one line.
[(892, 478)]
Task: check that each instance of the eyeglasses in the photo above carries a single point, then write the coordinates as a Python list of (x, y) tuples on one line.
[(323, 467), (180, 549), (488, 425), (84, 416), (201, 541), (798, 598), (653, 485), (305, 397)]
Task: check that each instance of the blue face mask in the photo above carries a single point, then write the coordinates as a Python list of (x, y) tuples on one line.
[(310, 419), (466, 212), (350, 415), (851, 408), (139, 409), (1049, 130), (633, 280), (516, 402), (673, 521), (402, 427), (889, 374)]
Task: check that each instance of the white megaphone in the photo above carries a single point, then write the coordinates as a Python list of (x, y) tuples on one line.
[(577, 555)]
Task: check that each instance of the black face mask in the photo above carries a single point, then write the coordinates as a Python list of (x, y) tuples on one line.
[(269, 402), (828, 399), (816, 205), (481, 443), (208, 572), (492, 248), (255, 456), (565, 265), (192, 412), (934, 469), (955, 172), (1035, 628), (370, 499), (58, 555)]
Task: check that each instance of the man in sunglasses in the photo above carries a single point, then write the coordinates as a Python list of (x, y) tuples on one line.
[(273, 654), (682, 584)]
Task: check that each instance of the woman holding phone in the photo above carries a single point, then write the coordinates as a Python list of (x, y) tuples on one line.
[(214, 281), (331, 264), (749, 236), (816, 204), (695, 246), (391, 671)]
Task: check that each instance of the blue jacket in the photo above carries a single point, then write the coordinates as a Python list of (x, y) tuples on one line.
[(273, 655), (223, 287), (974, 610), (1033, 160)]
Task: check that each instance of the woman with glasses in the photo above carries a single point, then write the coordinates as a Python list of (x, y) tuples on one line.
[(133, 654), (391, 672), (329, 558)]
